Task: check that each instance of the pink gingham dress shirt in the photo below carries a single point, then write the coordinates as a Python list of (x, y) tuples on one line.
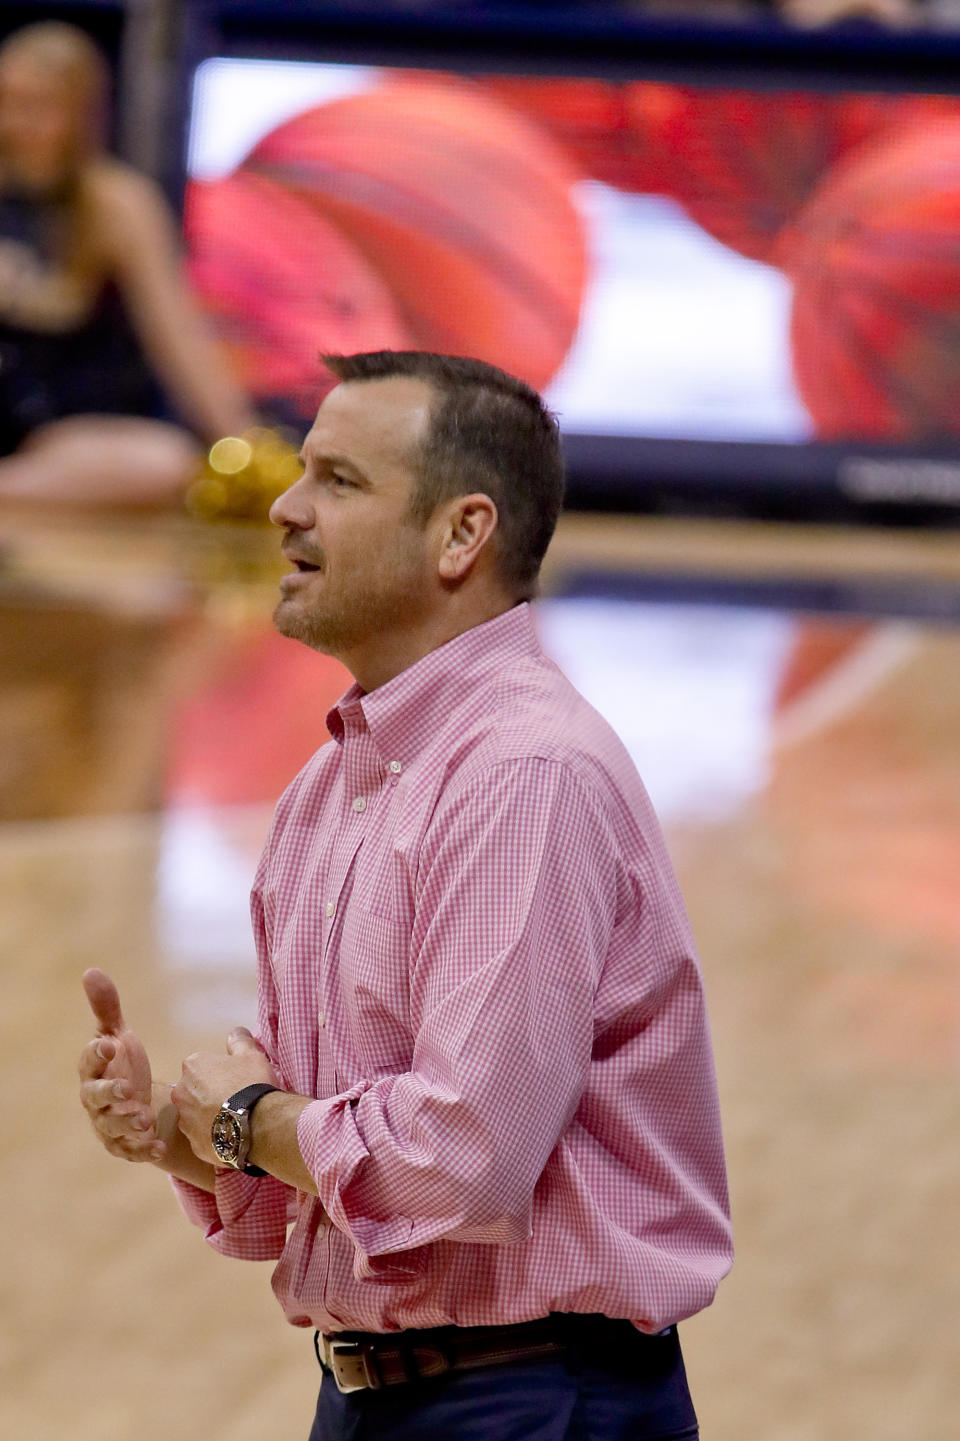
[(473, 952)]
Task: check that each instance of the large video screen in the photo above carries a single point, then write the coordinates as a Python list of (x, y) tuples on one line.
[(762, 268)]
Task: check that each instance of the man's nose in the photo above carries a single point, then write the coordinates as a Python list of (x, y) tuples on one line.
[(292, 509)]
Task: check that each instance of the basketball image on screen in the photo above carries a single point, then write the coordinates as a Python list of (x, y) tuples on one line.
[(420, 214), (875, 263), (664, 261)]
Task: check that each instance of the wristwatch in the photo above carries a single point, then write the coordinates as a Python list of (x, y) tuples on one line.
[(230, 1132)]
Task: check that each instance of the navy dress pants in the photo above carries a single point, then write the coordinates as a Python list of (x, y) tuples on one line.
[(610, 1384)]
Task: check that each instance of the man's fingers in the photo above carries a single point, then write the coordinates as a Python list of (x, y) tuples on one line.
[(115, 1079), (128, 1150), (133, 1127), (92, 1063), (96, 1056), (100, 1095), (104, 999), (108, 1095)]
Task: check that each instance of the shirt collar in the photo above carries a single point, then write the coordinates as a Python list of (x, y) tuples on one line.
[(403, 713)]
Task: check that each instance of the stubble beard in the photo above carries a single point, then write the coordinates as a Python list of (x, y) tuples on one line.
[(330, 631), (339, 624)]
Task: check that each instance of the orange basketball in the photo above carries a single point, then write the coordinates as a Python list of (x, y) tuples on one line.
[(283, 284), (875, 262), (460, 205)]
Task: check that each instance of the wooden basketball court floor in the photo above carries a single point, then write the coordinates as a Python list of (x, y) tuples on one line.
[(807, 765)]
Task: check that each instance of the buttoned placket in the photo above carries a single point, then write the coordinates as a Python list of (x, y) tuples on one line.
[(329, 911), (360, 780)]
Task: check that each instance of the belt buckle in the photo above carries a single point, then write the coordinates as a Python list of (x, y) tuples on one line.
[(352, 1364)]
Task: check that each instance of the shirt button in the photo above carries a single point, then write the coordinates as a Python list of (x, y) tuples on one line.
[(323, 1020), (330, 908), (359, 803), (396, 767)]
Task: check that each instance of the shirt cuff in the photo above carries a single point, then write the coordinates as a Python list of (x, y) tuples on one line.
[(333, 1151), (246, 1218)]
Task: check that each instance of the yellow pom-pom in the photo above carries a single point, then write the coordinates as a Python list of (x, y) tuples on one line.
[(242, 476)]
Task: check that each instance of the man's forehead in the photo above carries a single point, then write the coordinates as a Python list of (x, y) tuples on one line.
[(384, 415)]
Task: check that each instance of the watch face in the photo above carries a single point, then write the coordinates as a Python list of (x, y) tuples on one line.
[(227, 1136)]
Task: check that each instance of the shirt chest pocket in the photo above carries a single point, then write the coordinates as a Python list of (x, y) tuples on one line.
[(375, 981)]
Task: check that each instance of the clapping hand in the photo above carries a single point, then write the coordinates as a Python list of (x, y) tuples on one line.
[(209, 1078), (115, 1079)]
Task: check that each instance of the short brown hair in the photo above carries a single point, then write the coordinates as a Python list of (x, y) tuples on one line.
[(488, 431)]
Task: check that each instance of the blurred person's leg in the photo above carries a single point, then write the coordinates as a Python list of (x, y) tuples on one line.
[(101, 460)]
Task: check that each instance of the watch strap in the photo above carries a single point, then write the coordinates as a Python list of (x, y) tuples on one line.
[(244, 1100)]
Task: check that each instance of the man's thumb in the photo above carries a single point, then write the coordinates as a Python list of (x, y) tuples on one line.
[(240, 1039), (104, 1001)]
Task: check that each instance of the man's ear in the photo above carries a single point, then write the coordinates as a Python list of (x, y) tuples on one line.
[(470, 522)]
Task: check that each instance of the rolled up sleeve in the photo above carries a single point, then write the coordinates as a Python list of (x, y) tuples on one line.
[(515, 905), (245, 1218)]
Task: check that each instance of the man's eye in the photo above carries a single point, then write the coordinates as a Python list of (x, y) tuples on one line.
[(341, 479)]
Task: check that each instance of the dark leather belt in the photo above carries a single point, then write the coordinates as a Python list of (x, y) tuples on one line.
[(361, 1360)]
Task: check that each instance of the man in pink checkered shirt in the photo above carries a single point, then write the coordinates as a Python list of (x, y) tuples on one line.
[(478, 1128)]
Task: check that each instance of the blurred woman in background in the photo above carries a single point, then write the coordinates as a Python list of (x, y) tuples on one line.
[(100, 343)]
